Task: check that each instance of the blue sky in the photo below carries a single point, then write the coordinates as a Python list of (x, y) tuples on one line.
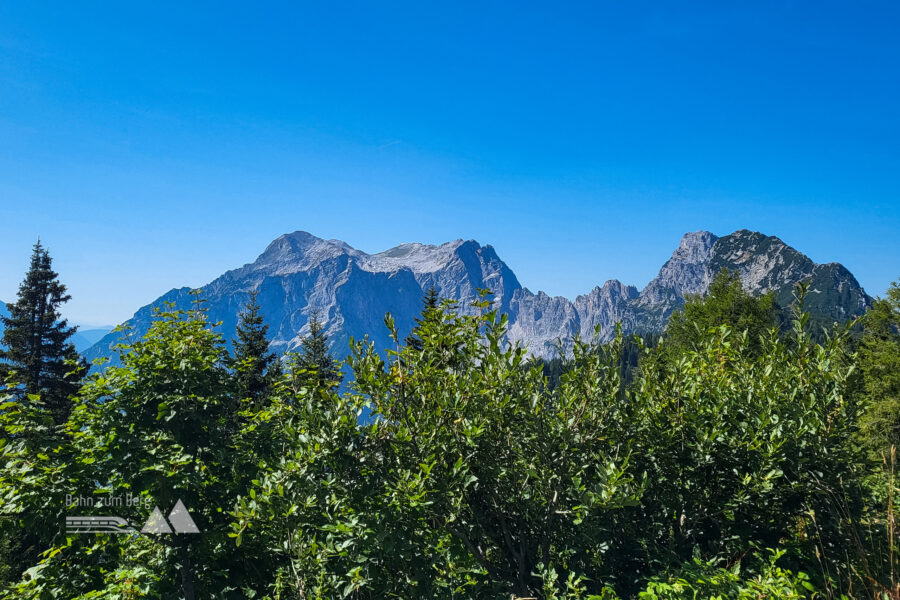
[(155, 145)]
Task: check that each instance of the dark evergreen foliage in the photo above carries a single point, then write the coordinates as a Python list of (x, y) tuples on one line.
[(430, 302), (254, 366), (36, 340), (314, 364), (631, 352), (37, 360)]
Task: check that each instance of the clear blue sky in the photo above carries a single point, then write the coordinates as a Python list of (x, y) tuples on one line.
[(155, 145)]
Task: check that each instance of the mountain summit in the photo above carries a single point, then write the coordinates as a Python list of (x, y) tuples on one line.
[(299, 272)]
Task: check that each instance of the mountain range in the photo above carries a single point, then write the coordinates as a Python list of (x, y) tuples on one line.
[(85, 338), (352, 290)]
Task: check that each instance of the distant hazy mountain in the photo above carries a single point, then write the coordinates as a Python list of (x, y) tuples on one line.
[(83, 338), (3, 313), (353, 290)]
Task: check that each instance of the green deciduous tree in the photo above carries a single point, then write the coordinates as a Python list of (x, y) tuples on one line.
[(511, 483), (742, 443), (33, 481), (468, 483), (473, 478), (880, 363), (156, 427), (306, 511)]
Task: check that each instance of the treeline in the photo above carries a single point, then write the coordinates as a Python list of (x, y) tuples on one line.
[(736, 457)]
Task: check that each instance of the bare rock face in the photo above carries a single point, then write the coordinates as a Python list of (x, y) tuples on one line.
[(542, 322), (603, 307), (686, 272), (353, 290)]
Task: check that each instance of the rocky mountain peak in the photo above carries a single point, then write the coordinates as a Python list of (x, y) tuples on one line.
[(611, 288), (764, 262), (686, 272), (694, 247), (421, 258), (299, 251)]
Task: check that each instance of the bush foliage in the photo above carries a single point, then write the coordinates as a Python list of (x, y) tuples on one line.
[(446, 467)]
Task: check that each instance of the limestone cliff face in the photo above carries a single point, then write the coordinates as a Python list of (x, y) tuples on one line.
[(686, 272), (605, 306), (541, 322), (353, 290)]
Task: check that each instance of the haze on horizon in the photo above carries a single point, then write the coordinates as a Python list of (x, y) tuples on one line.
[(156, 147)]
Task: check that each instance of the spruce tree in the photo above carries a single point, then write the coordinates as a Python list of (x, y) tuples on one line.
[(314, 363), (430, 303), (36, 342), (431, 299), (254, 365), (36, 360)]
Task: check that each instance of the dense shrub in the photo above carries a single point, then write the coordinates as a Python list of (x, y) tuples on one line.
[(472, 478)]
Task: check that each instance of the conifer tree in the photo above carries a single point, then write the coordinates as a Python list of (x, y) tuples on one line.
[(430, 303), (431, 299), (879, 359), (36, 359), (254, 365), (314, 363), (36, 342)]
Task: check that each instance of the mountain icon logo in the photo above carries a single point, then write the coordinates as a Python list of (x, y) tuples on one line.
[(179, 521)]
